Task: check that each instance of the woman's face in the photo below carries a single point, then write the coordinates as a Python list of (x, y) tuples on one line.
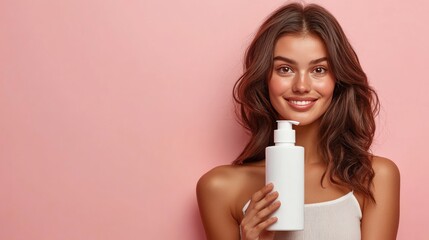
[(302, 84)]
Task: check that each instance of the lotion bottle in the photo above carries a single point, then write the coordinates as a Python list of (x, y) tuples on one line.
[(284, 166)]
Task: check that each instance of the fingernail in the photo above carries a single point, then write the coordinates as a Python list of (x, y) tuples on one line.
[(274, 193)]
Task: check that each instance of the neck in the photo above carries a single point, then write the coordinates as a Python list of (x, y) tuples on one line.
[(307, 137)]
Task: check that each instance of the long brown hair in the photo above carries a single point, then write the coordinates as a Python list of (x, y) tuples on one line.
[(348, 126)]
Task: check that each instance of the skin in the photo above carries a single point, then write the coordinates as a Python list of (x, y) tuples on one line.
[(300, 71)]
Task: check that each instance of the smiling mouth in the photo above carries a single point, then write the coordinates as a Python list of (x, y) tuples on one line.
[(300, 103)]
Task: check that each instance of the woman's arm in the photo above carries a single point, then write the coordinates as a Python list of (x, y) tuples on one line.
[(380, 220), (214, 200), (218, 192)]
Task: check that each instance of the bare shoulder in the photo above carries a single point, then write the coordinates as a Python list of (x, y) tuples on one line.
[(230, 186), (381, 218), (217, 180), (385, 169), (219, 177), (386, 182), (221, 194), (227, 180)]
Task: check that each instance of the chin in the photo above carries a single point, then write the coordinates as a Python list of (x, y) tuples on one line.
[(303, 121)]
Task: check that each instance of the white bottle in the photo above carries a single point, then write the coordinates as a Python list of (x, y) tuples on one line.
[(284, 167)]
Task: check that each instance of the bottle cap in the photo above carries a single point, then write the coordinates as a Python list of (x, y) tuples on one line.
[(284, 132)]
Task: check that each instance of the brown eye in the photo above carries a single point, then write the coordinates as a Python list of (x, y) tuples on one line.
[(320, 70), (284, 70)]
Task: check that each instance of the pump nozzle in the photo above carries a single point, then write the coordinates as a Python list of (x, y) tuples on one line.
[(284, 132)]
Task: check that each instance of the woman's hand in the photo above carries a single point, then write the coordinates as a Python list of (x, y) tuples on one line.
[(256, 219)]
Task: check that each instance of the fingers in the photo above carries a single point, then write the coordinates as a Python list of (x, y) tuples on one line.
[(263, 225), (256, 197), (256, 218), (252, 233), (264, 208), (261, 199), (269, 198)]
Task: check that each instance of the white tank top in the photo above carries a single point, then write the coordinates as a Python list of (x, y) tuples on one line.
[(338, 219)]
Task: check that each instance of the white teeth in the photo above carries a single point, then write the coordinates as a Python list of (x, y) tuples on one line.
[(301, 103)]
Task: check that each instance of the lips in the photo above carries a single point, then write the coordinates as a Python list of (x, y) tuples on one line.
[(301, 104)]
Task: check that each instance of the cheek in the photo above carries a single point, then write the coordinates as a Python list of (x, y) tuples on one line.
[(326, 88), (276, 86)]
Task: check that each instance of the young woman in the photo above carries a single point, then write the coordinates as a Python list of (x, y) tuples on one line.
[(300, 66)]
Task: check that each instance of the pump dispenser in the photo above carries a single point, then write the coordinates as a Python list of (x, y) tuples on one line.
[(284, 166)]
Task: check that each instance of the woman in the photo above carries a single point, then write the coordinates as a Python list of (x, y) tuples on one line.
[(300, 66)]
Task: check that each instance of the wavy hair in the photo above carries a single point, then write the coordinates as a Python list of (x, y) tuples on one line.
[(346, 129)]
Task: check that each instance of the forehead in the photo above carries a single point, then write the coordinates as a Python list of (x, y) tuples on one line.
[(302, 46)]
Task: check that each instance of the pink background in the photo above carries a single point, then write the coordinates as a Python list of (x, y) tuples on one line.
[(110, 111)]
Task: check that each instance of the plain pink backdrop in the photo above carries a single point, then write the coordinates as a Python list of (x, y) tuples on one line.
[(110, 111)]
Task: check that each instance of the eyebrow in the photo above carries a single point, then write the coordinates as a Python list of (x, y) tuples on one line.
[(288, 60)]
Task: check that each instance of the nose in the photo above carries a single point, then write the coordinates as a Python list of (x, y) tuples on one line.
[(301, 83)]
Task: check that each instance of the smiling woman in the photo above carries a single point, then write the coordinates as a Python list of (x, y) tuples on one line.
[(301, 85), (300, 66)]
